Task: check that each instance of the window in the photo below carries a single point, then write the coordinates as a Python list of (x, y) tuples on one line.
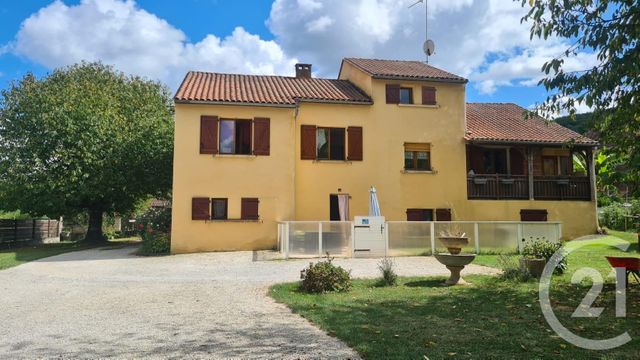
[(330, 144), (406, 95), (495, 161), (417, 156), (549, 166), (235, 137), (419, 214), (565, 165), (219, 209)]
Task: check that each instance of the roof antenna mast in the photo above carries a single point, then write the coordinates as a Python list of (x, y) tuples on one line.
[(428, 47)]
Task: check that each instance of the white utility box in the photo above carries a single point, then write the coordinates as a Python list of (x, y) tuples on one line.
[(369, 236)]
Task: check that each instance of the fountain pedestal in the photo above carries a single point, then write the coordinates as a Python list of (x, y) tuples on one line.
[(455, 264)]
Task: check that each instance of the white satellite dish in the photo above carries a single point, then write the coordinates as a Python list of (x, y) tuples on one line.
[(429, 47)]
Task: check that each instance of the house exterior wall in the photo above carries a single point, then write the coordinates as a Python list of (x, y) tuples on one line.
[(293, 189), (269, 178)]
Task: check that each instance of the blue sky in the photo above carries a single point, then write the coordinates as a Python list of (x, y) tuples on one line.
[(482, 40)]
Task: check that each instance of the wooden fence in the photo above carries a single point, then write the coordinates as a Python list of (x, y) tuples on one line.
[(14, 233)]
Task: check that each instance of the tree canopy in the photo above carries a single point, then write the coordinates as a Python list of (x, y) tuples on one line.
[(610, 28), (84, 138)]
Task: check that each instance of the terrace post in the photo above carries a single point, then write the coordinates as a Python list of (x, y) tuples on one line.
[(591, 157), (530, 172)]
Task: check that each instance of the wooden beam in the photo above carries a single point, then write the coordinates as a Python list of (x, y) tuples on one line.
[(530, 172)]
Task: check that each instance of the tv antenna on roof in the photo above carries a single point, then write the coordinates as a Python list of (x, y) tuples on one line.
[(429, 46)]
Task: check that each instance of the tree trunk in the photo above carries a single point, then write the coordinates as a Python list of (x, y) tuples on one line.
[(94, 233)]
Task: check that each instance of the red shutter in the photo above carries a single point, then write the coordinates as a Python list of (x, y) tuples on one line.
[(200, 209), (428, 95), (249, 209), (393, 94), (533, 215), (261, 133), (208, 134), (443, 214), (308, 142), (354, 143)]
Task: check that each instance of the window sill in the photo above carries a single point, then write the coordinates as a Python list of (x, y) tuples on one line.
[(420, 106), (332, 161), (426, 172), (234, 221), (235, 156)]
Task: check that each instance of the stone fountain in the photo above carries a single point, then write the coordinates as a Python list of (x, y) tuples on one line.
[(454, 260)]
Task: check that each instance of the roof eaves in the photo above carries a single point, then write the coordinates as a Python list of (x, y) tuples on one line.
[(421, 78), (233, 103)]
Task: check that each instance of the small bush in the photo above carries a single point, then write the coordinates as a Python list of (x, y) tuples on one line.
[(324, 277), (389, 276), (541, 248), (612, 216), (155, 244), (511, 270)]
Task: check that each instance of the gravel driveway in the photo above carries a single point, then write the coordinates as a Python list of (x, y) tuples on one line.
[(108, 303)]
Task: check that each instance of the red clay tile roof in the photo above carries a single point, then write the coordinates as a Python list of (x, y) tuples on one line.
[(400, 69), (491, 122), (270, 90)]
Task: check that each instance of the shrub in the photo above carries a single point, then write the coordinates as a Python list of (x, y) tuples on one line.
[(540, 248), (323, 277), (612, 216), (155, 244), (389, 276), (511, 270)]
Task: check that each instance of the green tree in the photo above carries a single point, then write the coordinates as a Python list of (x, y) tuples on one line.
[(85, 138), (610, 28)]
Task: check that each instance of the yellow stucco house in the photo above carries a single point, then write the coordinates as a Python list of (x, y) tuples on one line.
[(254, 150)]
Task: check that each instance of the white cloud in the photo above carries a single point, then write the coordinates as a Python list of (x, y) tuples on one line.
[(479, 39), (120, 33), (320, 24)]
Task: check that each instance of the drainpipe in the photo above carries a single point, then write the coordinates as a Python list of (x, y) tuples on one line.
[(296, 111)]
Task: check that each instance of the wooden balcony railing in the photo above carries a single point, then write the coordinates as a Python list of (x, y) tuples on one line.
[(495, 186), (561, 188)]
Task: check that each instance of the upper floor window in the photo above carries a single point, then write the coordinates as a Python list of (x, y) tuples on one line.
[(406, 95), (219, 209), (417, 156), (330, 143), (235, 136), (495, 161), (556, 165)]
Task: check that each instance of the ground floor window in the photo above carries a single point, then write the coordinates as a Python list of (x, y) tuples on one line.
[(219, 209)]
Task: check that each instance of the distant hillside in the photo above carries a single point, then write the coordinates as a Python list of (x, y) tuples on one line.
[(582, 124)]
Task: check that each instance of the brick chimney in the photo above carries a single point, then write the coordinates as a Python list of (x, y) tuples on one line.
[(303, 71)]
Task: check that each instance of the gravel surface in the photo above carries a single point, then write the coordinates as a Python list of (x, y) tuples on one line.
[(109, 303)]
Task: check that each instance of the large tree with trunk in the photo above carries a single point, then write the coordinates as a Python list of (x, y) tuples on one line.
[(611, 29), (85, 138)]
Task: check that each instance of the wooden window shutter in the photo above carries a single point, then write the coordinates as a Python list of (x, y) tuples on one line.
[(354, 143), (200, 209), (262, 134), (533, 215), (428, 95), (393, 94), (308, 142), (443, 214), (415, 214), (208, 134), (249, 209)]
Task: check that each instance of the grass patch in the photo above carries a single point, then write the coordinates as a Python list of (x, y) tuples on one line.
[(488, 319), (14, 257)]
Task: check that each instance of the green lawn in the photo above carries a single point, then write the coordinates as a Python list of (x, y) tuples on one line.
[(488, 319), (14, 257)]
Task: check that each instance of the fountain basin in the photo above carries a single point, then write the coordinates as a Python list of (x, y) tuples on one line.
[(454, 243), (455, 264)]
